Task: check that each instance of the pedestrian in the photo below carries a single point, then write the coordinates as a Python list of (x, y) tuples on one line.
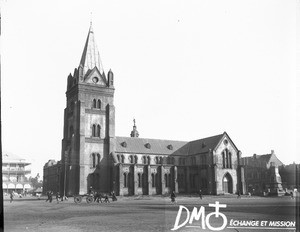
[(11, 196), (249, 194), (50, 196), (113, 196), (91, 190), (57, 197), (292, 195), (238, 194), (200, 194), (106, 200), (173, 197)]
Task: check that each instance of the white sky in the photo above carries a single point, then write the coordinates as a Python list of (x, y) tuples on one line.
[(184, 69)]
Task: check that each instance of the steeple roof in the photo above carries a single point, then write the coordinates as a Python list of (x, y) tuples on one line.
[(90, 55)]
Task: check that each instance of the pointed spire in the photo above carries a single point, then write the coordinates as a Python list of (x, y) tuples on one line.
[(90, 56)]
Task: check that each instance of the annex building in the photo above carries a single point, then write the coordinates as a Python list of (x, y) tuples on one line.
[(94, 157)]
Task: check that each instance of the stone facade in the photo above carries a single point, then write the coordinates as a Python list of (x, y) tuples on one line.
[(148, 166), (93, 157), (52, 175), (262, 174)]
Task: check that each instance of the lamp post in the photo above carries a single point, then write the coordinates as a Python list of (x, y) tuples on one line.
[(65, 173), (297, 199)]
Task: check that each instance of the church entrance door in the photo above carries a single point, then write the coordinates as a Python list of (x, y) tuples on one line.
[(227, 183)]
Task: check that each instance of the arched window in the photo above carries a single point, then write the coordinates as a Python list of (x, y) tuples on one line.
[(160, 160), (144, 160), (153, 179), (98, 130), (135, 159), (94, 130), (227, 159), (122, 158), (99, 104), (139, 180), (144, 181), (125, 180), (94, 103), (149, 159), (166, 180), (118, 157), (156, 160), (157, 180), (98, 158), (129, 180), (169, 180), (227, 156), (94, 160)]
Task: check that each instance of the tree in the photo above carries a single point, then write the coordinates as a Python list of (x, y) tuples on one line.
[(35, 182)]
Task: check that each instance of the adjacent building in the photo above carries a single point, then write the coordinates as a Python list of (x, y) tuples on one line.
[(15, 171), (51, 178), (94, 157), (262, 174)]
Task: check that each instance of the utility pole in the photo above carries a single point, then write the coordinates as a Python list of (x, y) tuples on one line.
[(65, 173), (297, 199)]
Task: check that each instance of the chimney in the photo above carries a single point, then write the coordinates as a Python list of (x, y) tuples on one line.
[(272, 152)]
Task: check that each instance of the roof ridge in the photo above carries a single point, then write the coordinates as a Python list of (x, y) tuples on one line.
[(207, 137), (151, 139)]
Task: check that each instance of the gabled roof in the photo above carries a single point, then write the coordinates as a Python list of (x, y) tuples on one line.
[(203, 145), (94, 71), (263, 159), (139, 145), (166, 147), (90, 56)]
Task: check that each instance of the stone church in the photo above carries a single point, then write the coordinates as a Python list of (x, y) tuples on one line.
[(93, 157)]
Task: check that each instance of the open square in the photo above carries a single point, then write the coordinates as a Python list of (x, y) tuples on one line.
[(142, 213)]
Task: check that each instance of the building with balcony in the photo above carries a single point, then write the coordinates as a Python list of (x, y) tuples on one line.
[(15, 173)]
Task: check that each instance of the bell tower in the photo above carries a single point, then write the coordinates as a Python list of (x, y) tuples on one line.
[(89, 124)]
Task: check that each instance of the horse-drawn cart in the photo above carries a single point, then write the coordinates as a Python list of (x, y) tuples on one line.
[(88, 197), (95, 196)]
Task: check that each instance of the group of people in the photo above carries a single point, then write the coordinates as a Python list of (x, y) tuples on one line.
[(57, 196), (98, 196), (173, 196)]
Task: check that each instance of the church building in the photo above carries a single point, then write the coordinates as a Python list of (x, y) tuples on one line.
[(93, 157)]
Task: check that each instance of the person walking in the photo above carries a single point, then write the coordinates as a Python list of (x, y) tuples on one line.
[(113, 196), (57, 197), (200, 194), (173, 197), (11, 196), (292, 195), (238, 194), (50, 196)]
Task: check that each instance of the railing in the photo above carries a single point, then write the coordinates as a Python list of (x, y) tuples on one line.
[(15, 170)]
